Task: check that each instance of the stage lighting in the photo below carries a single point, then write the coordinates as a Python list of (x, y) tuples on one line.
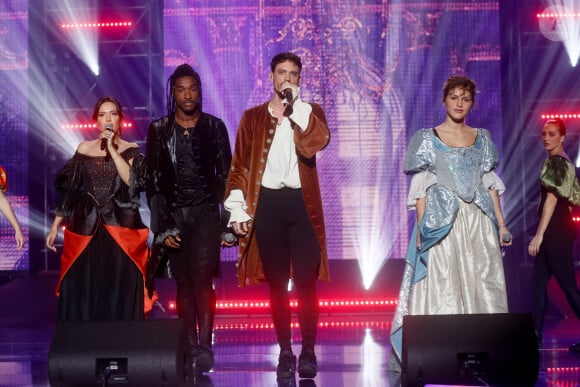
[(561, 22), (92, 125), (330, 305), (564, 116), (97, 25)]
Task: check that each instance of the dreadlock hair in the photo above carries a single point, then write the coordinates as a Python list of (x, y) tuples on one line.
[(183, 70)]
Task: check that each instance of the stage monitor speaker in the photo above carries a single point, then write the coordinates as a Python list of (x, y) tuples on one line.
[(470, 349), (124, 353)]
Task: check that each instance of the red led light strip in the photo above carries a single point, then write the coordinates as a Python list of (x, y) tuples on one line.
[(258, 305), (554, 14), (563, 116), (294, 304), (70, 26), (563, 376), (332, 324), (563, 369), (91, 126)]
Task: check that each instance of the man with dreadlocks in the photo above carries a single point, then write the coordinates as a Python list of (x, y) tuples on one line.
[(188, 158)]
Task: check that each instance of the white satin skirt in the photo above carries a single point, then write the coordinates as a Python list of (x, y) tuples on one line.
[(465, 270)]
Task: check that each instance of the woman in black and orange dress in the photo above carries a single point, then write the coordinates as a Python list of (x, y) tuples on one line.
[(104, 256)]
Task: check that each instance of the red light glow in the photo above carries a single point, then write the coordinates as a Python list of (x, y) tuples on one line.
[(334, 305), (563, 376), (92, 126), (119, 24), (295, 325), (566, 116), (552, 15)]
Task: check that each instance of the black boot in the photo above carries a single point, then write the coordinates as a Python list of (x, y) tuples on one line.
[(205, 317), (204, 360), (307, 365), (286, 364)]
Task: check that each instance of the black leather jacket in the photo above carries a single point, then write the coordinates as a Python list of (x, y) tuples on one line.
[(215, 159)]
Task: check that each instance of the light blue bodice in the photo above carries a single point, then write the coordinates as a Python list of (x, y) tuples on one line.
[(458, 174)]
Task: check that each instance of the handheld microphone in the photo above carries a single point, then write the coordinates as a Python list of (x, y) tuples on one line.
[(288, 97), (229, 237), (108, 127), (506, 237)]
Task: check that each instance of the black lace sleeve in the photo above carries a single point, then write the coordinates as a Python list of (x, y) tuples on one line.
[(223, 163), (138, 173), (68, 183)]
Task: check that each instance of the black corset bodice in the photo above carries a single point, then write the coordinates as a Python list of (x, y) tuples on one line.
[(101, 173)]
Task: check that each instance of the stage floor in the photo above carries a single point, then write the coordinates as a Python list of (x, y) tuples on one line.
[(352, 349)]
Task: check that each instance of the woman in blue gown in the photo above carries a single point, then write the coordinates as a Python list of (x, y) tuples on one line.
[(454, 262)]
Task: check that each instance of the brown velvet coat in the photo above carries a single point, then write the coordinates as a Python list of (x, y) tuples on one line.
[(255, 134)]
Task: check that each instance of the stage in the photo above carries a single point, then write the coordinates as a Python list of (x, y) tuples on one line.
[(353, 346)]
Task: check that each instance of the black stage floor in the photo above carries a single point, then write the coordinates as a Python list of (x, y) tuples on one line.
[(353, 348)]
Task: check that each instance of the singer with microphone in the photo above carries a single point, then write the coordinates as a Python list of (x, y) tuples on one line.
[(274, 199), (106, 137), (105, 252)]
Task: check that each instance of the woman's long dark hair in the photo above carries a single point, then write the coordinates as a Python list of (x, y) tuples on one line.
[(115, 102)]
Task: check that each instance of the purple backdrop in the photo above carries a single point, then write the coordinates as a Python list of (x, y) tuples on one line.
[(376, 67)]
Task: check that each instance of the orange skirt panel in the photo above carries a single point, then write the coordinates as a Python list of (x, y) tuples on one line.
[(132, 241)]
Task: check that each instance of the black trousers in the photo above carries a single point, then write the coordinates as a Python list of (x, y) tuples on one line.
[(287, 242), (555, 258), (193, 267)]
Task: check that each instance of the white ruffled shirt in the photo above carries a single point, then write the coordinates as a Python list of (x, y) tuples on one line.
[(282, 164)]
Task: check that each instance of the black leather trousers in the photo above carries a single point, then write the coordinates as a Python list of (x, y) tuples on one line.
[(193, 267)]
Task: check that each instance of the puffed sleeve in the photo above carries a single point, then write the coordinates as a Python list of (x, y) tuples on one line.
[(420, 153), (138, 171), (68, 184), (418, 187), (490, 153), (492, 181), (559, 176)]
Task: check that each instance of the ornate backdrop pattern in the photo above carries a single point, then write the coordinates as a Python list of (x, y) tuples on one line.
[(377, 68)]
